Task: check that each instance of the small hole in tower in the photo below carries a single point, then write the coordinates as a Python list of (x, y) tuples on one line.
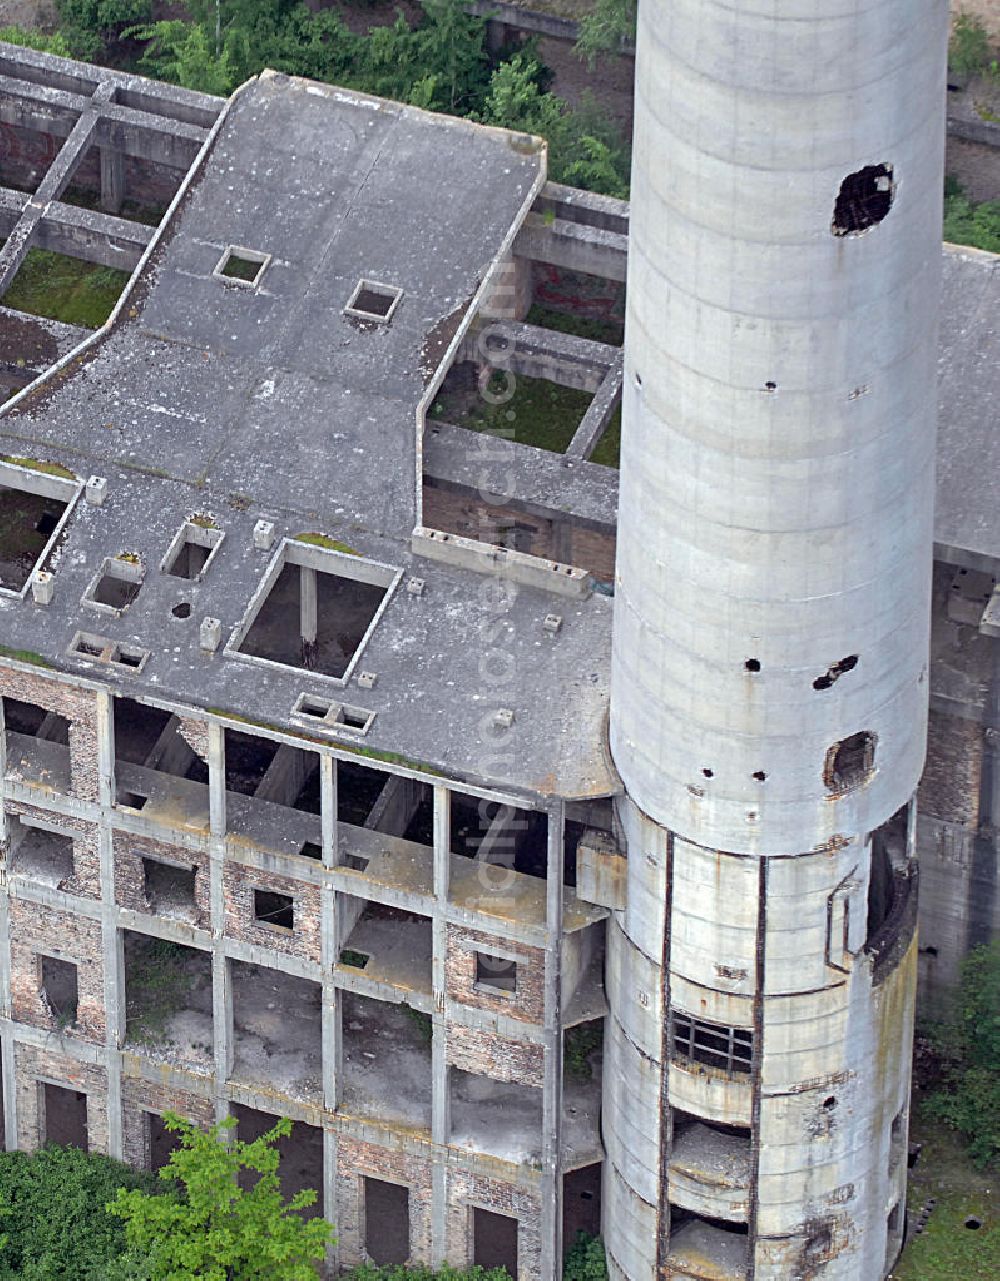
[(759, 775), (863, 201), (752, 665), (708, 772), (829, 1104), (770, 386)]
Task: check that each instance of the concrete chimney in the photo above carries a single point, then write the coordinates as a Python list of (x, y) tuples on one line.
[(772, 605)]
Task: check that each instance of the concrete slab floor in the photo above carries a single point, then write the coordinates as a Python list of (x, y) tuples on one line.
[(168, 1002), (43, 857), (386, 1062), (399, 947), (497, 1118), (277, 1030)]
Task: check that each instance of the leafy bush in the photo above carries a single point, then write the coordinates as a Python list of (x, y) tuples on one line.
[(604, 29), (55, 43), (969, 48), (53, 1224), (89, 26), (966, 223), (585, 1260), (970, 1048), (214, 1229), (584, 148), (415, 1272)]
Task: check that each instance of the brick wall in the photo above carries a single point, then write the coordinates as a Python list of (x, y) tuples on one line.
[(949, 789), (461, 511), (487, 1054), (195, 734), (140, 1097), (238, 884), (466, 1190), (86, 879), (129, 852), (79, 706), (35, 931), (355, 1161), (33, 1064), (460, 974)]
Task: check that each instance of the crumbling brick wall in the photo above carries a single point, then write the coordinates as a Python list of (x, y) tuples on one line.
[(78, 706), (129, 851), (86, 878), (527, 1003), (238, 885), (355, 1162), (488, 1054), (36, 931), (33, 1065), (140, 1097), (466, 1190)]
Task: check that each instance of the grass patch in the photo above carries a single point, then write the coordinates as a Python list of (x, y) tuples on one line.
[(947, 1250), (55, 287), (35, 464), (323, 540), (608, 451), (24, 656), (597, 328), (539, 413), (423, 1023)]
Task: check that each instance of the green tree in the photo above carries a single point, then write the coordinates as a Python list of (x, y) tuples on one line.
[(604, 30), (55, 43), (89, 26), (214, 1230), (52, 1219), (970, 1099), (184, 53), (585, 1260), (969, 47)]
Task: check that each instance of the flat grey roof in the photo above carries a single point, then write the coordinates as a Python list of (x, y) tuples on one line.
[(212, 398)]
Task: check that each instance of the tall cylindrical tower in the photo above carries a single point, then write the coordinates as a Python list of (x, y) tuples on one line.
[(772, 604)]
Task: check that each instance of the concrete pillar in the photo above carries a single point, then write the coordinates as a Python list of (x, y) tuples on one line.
[(328, 810), (112, 179), (552, 1199), (308, 605), (332, 1032), (396, 804), (440, 1102), (6, 1035), (331, 1209), (111, 938), (222, 990)]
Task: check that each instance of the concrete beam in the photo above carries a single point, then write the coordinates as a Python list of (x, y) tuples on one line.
[(92, 236), (573, 246), (599, 413), (396, 804), (535, 352)]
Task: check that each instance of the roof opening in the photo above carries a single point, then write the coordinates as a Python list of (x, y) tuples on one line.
[(372, 301), (242, 266), (115, 586), (864, 199), (191, 549), (315, 610), (32, 506)]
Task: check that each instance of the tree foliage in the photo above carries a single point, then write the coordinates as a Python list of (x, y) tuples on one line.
[(969, 47), (55, 43), (585, 1260), (970, 1046), (53, 1225), (966, 223), (584, 147), (89, 26), (215, 1230), (605, 29)]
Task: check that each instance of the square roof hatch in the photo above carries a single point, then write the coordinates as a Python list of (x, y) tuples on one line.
[(373, 302), (315, 609), (34, 506), (239, 266)]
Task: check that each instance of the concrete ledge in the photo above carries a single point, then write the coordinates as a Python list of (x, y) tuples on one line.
[(483, 558)]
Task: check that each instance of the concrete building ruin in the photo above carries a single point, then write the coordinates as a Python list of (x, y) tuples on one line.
[(309, 807)]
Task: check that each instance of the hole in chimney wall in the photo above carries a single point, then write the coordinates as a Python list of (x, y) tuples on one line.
[(834, 672), (864, 199), (752, 665)]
